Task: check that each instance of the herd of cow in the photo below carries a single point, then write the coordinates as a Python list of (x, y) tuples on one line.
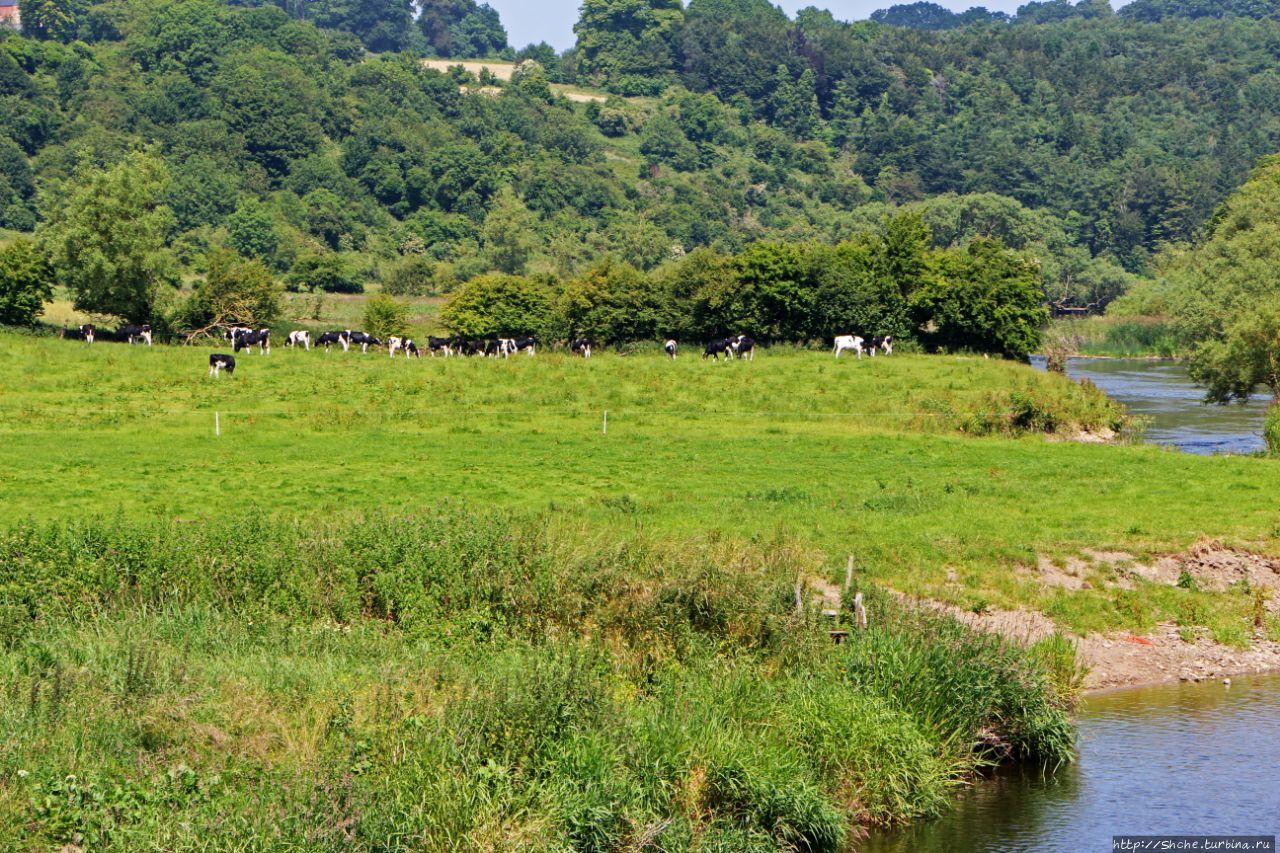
[(242, 338)]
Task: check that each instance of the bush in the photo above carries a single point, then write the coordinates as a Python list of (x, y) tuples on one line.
[(331, 273), (26, 283), (384, 317), (1271, 428), (499, 305)]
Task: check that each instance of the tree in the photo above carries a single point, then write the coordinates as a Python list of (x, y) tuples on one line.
[(26, 283), (629, 46), (385, 317), (985, 298), (498, 305), (251, 230), (107, 239), (382, 25), (237, 291), (509, 233), (52, 19), (1226, 294), (329, 273)]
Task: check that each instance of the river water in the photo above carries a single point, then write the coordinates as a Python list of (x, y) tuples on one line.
[(1162, 392), (1165, 760)]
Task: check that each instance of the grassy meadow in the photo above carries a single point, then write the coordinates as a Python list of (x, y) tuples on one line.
[(431, 604)]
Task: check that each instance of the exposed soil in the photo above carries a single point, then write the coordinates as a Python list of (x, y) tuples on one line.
[(1168, 653)]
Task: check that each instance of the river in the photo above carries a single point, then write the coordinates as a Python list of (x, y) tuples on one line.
[(1170, 759), (1162, 392)]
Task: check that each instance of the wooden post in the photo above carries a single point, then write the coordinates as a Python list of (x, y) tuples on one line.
[(860, 612), (848, 574), (606, 422), (217, 424), (799, 598)]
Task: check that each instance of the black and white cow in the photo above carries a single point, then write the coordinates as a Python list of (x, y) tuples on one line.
[(247, 340), (670, 348), (85, 333), (299, 338), (444, 345), (717, 348), (884, 344), (743, 347), (395, 344), (328, 339), (507, 347), (133, 334), (582, 347), (364, 340), (849, 342), (528, 345), (221, 361)]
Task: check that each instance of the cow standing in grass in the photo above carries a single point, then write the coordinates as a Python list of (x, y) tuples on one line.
[(717, 348), (300, 338), (87, 332), (221, 361), (849, 342), (670, 349), (743, 347), (582, 347), (134, 334)]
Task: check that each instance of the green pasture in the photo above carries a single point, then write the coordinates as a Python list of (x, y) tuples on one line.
[(878, 458)]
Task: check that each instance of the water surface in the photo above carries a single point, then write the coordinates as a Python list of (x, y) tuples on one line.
[(1171, 759), (1162, 392)]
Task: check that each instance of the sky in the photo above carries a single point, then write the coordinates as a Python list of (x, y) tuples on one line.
[(531, 21)]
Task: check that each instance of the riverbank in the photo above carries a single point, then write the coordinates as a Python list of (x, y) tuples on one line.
[(477, 680), (1112, 337)]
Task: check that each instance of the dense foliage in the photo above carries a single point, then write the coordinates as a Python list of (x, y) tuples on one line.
[(1087, 140)]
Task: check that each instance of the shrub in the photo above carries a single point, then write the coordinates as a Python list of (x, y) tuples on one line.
[(331, 273), (26, 283), (384, 317)]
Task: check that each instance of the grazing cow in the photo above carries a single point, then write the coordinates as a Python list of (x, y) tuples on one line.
[(670, 347), (133, 334), (260, 338), (884, 344), (218, 361), (506, 347), (411, 349), (444, 345), (849, 342), (528, 345), (87, 332), (717, 348), (328, 339), (300, 338), (365, 341), (582, 347), (395, 344), (743, 347)]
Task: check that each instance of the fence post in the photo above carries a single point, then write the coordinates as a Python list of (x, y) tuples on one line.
[(606, 422), (217, 424), (848, 574)]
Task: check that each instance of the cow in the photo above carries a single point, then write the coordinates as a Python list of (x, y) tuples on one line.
[(884, 344), (365, 341), (328, 339), (395, 344), (506, 347), (582, 347), (670, 348), (300, 338), (133, 334), (87, 332), (528, 345), (260, 338), (411, 349), (849, 342), (435, 345), (218, 361), (717, 348), (743, 347)]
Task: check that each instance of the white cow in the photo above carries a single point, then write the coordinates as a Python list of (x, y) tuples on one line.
[(300, 338), (670, 347), (850, 342)]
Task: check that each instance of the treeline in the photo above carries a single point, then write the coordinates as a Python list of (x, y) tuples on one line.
[(983, 297)]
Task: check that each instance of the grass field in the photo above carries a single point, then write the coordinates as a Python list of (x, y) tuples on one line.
[(866, 457), (430, 604)]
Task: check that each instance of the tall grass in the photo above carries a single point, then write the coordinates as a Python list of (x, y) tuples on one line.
[(468, 679), (1120, 337)]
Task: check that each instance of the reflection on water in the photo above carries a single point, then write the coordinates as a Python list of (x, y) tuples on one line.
[(1175, 759), (1162, 392)]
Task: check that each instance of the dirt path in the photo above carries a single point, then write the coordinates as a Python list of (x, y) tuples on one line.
[(1122, 659)]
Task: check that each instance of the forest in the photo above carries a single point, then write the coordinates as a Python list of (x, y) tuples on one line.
[(308, 139)]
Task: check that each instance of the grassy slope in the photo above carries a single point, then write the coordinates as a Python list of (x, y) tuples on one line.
[(853, 457)]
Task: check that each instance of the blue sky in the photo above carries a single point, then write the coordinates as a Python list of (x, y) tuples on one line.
[(552, 21)]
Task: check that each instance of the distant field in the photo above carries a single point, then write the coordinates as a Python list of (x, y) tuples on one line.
[(864, 457), (504, 71)]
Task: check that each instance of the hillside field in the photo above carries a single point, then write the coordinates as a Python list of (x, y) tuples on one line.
[(885, 459)]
